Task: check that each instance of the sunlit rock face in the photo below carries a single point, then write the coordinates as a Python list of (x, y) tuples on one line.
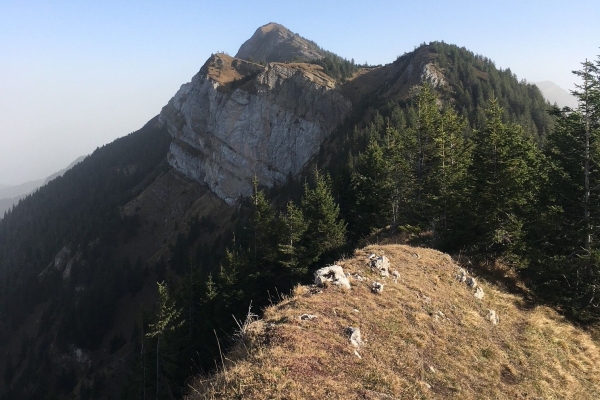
[(237, 120)]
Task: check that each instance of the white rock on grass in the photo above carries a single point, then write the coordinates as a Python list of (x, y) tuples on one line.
[(493, 317), (355, 338), (381, 264), (333, 274), (377, 287), (471, 282), (462, 275), (479, 293)]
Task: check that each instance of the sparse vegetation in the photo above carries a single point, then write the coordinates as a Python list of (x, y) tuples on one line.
[(425, 336)]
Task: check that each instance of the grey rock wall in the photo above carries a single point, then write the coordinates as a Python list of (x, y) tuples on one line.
[(268, 128)]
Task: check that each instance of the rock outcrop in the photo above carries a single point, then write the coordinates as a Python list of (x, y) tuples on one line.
[(237, 120), (333, 274)]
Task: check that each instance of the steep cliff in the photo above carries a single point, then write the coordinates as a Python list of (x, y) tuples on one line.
[(236, 120)]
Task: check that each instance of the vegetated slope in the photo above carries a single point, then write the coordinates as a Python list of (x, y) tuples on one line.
[(62, 270), (424, 336), (463, 79)]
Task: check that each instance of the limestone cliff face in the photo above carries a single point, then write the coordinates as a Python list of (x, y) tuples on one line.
[(236, 120)]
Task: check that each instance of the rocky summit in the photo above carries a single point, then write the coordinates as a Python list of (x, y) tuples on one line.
[(275, 43)]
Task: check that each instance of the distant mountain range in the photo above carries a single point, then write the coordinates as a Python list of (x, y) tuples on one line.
[(555, 94), (11, 194)]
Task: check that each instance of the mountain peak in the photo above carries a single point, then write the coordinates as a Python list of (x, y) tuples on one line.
[(273, 42)]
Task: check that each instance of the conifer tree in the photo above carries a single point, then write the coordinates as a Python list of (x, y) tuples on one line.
[(290, 247), (264, 231), (571, 258), (325, 232), (372, 186), (167, 321), (445, 183), (504, 182)]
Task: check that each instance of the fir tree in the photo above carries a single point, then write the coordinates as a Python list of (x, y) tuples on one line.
[(326, 232), (167, 321), (504, 183), (291, 250)]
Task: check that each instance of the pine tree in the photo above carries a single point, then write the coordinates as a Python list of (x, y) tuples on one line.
[(326, 232), (504, 183), (570, 265), (446, 184), (291, 250), (167, 321), (372, 188), (264, 231)]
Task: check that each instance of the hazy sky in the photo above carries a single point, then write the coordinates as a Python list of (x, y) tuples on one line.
[(75, 75)]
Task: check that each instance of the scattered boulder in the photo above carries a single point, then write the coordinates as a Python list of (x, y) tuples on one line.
[(471, 282), (395, 275), (355, 338), (381, 264), (358, 277), (493, 317), (462, 275), (377, 287), (332, 274), (478, 293), (307, 317)]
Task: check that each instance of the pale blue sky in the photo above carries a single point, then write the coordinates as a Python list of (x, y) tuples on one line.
[(75, 75)]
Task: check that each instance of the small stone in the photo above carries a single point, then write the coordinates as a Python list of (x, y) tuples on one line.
[(357, 355), (355, 338), (355, 310), (462, 275), (478, 293), (381, 264), (471, 282), (493, 317), (377, 287), (307, 317), (431, 369)]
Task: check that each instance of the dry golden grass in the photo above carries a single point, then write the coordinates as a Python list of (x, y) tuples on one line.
[(425, 336)]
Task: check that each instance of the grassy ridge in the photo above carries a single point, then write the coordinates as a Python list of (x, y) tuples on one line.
[(425, 336)]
